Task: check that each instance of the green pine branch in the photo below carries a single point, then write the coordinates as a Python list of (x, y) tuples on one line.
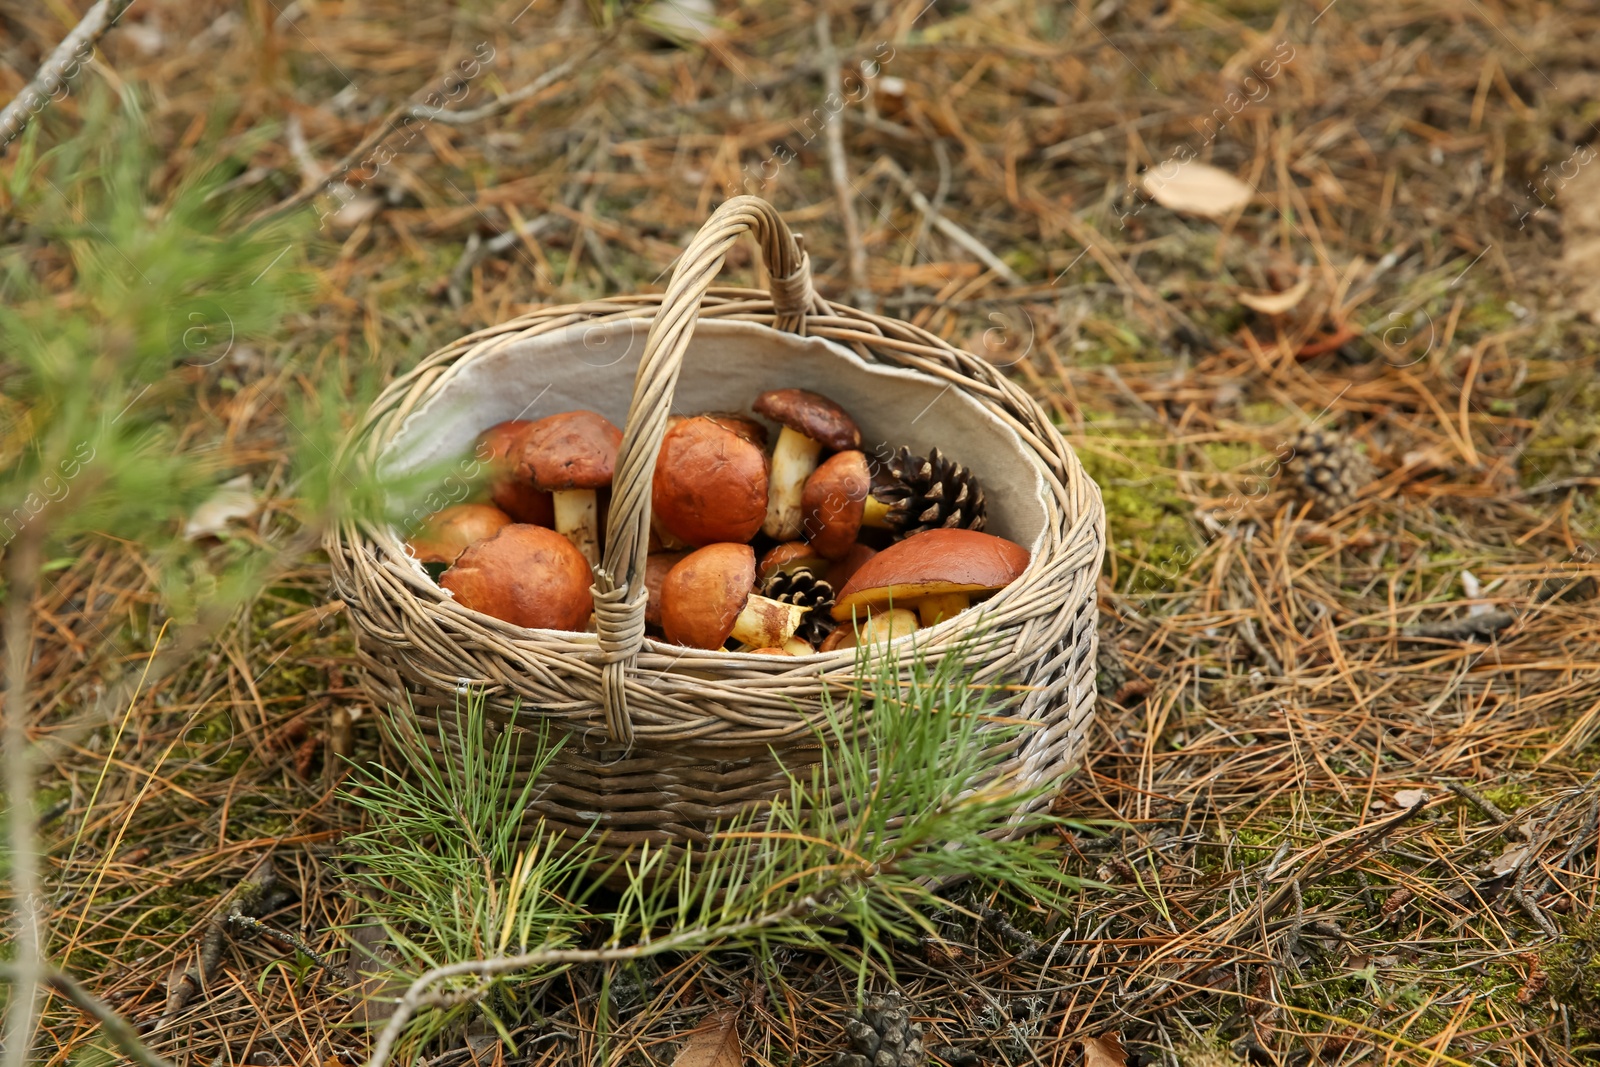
[(481, 916)]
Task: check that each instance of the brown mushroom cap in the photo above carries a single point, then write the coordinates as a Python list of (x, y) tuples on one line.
[(500, 447), (702, 595), (932, 563), (656, 566), (811, 414), (743, 425), (526, 575), (572, 450), (791, 555), (448, 531), (710, 484), (833, 501), (844, 568)]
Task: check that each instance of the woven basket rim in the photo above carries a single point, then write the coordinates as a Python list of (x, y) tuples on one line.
[(1067, 544)]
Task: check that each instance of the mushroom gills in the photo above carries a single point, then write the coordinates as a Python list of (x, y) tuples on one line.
[(765, 623), (794, 457)]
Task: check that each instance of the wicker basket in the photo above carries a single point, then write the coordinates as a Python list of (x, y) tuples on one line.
[(667, 741)]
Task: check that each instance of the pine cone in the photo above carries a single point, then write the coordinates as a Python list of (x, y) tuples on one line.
[(1111, 670), (930, 493), (883, 1036), (801, 587), (1329, 469)]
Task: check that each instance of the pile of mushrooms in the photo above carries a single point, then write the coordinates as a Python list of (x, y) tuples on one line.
[(731, 523)]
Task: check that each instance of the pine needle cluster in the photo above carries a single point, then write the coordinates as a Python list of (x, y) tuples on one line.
[(443, 868)]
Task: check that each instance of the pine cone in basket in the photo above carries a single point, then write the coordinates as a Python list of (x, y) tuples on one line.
[(804, 588), (883, 1036), (1329, 470), (930, 493)]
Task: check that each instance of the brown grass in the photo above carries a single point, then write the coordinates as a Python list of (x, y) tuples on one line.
[(1273, 705)]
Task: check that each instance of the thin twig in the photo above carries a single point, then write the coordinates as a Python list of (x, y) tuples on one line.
[(417, 994), (1482, 803), (945, 226), (283, 937), (839, 169), (425, 114), (118, 1029), (1485, 625), (52, 75), (22, 579)]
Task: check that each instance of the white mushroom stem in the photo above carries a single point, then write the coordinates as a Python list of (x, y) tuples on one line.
[(875, 514), (935, 609), (577, 521), (794, 457), (767, 623)]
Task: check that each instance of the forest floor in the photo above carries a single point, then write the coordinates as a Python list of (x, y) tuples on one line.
[(1344, 839)]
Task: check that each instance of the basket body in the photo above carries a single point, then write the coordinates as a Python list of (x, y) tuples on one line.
[(666, 742)]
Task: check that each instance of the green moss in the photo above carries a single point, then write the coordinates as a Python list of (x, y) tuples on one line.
[(1508, 798), (1145, 515), (1573, 967)]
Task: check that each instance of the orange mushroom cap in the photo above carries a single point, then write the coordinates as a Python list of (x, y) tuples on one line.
[(932, 563), (833, 502), (500, 447), (710, 484), (572, 450), (449, 531), (526, 575), (702, 595)]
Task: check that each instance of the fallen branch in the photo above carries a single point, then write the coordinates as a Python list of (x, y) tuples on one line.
[(418, 995), (944, 225), (118, 1029), (838, 167), (251, 897), (52, 75), (423, 114), (1486, 625), (1485, 805)]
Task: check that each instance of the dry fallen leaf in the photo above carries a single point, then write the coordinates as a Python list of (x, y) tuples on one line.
[(1276, 303), (1510, 859), (716, 1045), (681, 21), (1196, 189), (1409, 798), (233, 499), (1104, 1051)]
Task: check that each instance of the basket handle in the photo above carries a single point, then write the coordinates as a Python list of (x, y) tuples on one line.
[(619, 589)]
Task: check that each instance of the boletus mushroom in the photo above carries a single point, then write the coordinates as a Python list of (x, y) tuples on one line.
[(879, 627), (527, 575), (447, 532), (792, 647), (709, 596), (832, 503), (571, 456), (656, 567), (811, 422), (936, 573), (500, 448), (710, 483)]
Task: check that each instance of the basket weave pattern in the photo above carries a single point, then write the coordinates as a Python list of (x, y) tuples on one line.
[(666, 741)]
